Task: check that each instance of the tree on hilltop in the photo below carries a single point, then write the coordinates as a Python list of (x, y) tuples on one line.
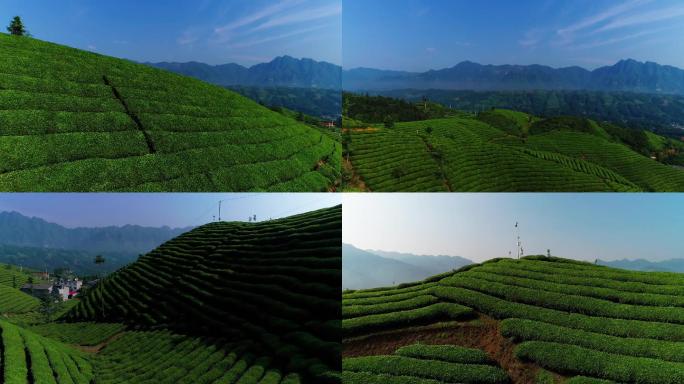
[(16, 27)]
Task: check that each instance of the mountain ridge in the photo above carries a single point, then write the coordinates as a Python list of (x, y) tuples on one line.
[(281, 71), (287, 71), (19, 230), (624, 75), (391, 268)]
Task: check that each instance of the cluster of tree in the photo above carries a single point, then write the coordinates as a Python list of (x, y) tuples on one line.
[(661, 114), (322, 103), (17, 28), (80, 262), (387, 110)]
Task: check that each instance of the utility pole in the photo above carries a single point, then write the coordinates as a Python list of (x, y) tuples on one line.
[(519, 247), (219, 210)]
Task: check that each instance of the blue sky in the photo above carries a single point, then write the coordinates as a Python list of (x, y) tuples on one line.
[(211, 31), (480, 226), (158, 209), (418, 35)]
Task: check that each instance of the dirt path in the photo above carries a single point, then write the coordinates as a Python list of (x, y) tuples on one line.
[(430, 150), (482, 333), (356, 181), (97, 348)]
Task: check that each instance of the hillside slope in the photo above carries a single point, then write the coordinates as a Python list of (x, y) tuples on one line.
[(78, 121), (270, 288), (502, 153), (536, 317)]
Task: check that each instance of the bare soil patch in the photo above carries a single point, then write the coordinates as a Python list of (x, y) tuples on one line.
[(482, 333)]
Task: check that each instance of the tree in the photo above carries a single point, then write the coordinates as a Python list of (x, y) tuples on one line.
[(389, 122), (99, 260), (48, 305), (16, 27)]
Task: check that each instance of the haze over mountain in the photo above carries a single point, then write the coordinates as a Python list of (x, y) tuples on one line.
[(626, 75), (282, 71), (369, 269), (671, 265), (285, 71), (19, 230)]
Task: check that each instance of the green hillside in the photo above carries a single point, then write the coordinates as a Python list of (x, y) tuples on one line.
[(78, 121), (424, 364), (29, 358), (506, 151), (12, 300), (13, 276), (269, 289), (537, 316)]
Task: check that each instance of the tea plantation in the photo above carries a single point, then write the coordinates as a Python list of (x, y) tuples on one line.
[(424, 364), (502, 151), (72, 120), (12, 300), (268, 291), (30, 358), (570, 318), (224, 303)]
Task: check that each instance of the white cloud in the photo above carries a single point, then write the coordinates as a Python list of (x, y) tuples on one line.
[(186, 38), (621, 38), (601, 17), (256, 16), (644, 18), (301, 16), (276, 37), (531, 38)]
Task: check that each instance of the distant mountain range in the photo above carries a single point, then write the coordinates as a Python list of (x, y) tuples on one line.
[(285, 71), (370, 269), (19, 230), (626, 75), (672, 265)]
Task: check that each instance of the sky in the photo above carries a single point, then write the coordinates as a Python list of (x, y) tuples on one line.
[(176, 210), (481, 226), (210, 31), (418, 35)]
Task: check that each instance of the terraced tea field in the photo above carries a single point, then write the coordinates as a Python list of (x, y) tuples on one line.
[(71, 120), (503, 152), (30, 358), (224, 303), (424, 364), (541, 319), (270, 290)]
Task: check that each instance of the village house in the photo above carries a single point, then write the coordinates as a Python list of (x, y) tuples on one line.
[(41, 275), (37, 290), (64, 288)]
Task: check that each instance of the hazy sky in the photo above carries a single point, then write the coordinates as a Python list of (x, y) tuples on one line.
[(480, 226), (418, 35), (159, 209), (211, 31)]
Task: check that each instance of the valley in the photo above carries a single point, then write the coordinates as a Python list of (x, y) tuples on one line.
[(501, 150)]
